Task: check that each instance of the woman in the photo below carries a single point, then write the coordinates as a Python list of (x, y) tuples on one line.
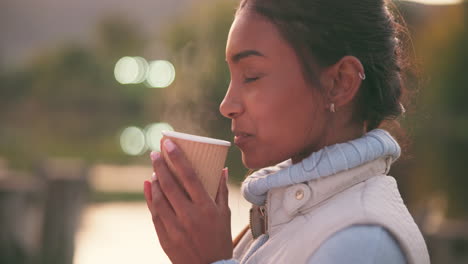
[(311, 81)]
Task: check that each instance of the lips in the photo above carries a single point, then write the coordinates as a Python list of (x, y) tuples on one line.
[(242, 138)]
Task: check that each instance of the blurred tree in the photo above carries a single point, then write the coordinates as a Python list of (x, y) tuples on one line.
[(116, 37), (67, 102), (439, 124), (449, 124)]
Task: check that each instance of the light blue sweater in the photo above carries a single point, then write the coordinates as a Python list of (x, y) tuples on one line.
[(365, 244)]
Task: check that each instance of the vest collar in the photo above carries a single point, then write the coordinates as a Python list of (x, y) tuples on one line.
[(328, 161), (285, 203)]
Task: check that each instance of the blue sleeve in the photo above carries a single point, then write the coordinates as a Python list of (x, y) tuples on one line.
[(226, 261), (364, 244)]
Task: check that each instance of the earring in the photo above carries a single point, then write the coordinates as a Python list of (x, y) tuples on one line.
[(332, 108), (402, 108), (362, 76)]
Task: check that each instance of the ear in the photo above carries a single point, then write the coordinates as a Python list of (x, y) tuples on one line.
[(343, 81)]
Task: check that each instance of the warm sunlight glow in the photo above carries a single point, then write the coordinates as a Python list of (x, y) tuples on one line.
[(161, 74), (153, 134), (131, 70), (132, 141), (437, 2)]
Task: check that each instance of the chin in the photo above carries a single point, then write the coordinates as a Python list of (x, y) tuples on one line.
[(251, 162)]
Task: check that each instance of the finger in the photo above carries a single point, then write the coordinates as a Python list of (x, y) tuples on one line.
[(223, 192), (185, 172), (157, 223), (161, 231), (147, 192), (154, 155), (159, 202), (169, 186), (164, 219)]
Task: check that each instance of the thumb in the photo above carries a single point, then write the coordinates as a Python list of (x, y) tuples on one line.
[(223, 192)]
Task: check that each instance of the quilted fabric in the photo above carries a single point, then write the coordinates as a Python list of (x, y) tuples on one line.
[(327, 161)]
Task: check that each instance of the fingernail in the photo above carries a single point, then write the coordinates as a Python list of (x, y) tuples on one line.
[(226, 172), (154, 176), (169, 145), (154, 155)]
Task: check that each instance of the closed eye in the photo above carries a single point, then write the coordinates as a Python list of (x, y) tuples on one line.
[(248, 80)]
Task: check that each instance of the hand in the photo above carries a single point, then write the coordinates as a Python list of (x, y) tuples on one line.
[(191, 227)]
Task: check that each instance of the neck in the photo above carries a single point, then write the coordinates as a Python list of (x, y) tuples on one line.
[(331, 137)]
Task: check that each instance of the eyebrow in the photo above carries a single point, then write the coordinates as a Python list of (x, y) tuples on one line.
[(244, 54)]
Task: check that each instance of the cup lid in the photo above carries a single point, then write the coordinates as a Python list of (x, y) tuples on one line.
[(195, 138)]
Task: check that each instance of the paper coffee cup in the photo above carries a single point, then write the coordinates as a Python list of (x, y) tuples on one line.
[(206, 155)]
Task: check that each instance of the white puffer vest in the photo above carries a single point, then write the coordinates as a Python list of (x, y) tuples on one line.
[(301, 217)]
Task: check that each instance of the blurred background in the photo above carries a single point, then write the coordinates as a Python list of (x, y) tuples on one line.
[(87, 86)]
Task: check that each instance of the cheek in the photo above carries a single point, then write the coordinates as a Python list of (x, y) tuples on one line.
[(284, 123), (292, 121), (287, 109)]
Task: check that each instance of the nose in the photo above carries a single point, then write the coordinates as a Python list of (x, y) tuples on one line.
[(231, 106)]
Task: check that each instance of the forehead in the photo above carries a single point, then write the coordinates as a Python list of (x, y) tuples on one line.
[(251, 31)]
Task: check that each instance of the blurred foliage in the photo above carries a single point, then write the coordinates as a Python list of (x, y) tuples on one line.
[(66, 102), (105, 197), (440, 121)]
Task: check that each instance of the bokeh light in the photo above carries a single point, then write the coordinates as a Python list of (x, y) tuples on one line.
[(131, 70), (142, 69), (153, 134), (161, 74), (132, 141)]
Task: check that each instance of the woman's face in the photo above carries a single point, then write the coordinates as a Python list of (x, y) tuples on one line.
[(276, 114)]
